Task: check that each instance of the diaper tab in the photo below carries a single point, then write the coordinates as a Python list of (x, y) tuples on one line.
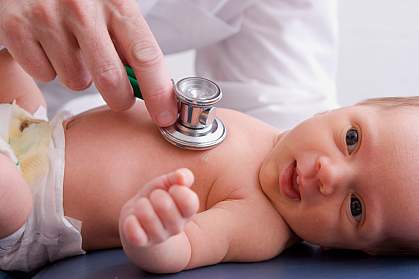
[(29, 138)]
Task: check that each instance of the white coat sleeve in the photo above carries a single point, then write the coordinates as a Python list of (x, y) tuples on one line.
[(280, 65)]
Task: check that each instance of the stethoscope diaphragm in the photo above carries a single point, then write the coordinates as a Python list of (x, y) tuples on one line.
[(197, 127)]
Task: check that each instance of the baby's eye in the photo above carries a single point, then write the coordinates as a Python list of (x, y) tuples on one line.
[(352, 140), (356, 208)]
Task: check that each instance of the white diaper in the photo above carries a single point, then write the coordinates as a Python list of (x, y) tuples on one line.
[(47, 235)]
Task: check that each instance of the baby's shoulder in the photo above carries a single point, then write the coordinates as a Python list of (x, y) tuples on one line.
[(246, 135), (237, 160)]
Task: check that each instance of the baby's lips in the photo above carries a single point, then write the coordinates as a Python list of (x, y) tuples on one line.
[(287, 183)]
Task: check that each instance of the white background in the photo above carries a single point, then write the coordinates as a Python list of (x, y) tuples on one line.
[(378, 53)]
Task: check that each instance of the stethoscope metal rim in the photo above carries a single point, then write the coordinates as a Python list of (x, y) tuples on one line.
[(176, 135), (199, 102), (188, 132)]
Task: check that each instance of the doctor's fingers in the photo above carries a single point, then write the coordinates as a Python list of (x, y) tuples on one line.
[(65, 57), (17, 35), (35, 35), (135, 41), (87, 21), (32, 59)]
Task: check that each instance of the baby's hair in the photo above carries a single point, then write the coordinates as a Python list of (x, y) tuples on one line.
[(395, 247), (392, 102)]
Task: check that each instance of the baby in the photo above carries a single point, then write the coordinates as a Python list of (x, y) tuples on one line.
[(345, 178)]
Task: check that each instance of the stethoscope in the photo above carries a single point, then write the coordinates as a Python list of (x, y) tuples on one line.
[(197, 127)]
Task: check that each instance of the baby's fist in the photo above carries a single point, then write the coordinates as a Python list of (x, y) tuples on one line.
[(160, 210)]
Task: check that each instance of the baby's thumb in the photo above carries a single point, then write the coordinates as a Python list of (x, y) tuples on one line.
[(181, 176)]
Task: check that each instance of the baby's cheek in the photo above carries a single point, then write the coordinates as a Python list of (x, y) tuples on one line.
[(314, 228)]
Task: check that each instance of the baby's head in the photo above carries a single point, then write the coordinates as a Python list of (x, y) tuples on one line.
[(349, 178)]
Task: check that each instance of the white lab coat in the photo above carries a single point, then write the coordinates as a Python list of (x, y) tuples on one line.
[(274, 59)]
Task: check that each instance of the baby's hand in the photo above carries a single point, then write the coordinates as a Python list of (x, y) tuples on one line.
[(160, 210)]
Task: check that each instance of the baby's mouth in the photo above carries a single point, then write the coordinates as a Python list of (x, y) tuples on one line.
[(288, 182)]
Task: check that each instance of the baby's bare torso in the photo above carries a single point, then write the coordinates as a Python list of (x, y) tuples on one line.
[(110, 156)]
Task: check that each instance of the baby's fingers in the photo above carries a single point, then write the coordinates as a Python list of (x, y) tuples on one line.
[(149, 221), (133, 232), (167, 211), (179, 177), (185, 199)]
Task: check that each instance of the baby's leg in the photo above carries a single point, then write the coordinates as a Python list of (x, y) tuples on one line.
[(15, 198)]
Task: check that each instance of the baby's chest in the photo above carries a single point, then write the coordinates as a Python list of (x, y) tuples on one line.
[(232, 186)]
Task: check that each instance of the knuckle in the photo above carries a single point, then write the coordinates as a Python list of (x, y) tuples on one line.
[(119, 5), (108, 75), (122, 9), (76, 78), (176, 227), (157, 95), (70, 4), (48, 76), (77, 11), (158, 238), (146, 53), (78, 83), (13, 27), (39, 70), (181, 193), (164, 205), (42, 14), (161, 201)]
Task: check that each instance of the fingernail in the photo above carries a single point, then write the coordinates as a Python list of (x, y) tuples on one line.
[(165, 118), (187, 175)]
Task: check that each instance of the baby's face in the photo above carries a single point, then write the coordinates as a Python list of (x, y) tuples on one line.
[(348, 178)]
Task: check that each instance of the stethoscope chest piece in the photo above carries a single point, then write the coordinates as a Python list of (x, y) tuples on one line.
[(197, 127)]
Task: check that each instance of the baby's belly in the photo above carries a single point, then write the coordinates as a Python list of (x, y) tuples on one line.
[(109, 157)]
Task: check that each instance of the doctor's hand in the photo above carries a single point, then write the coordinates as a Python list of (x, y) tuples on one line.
[(83, 41), (160, 210)]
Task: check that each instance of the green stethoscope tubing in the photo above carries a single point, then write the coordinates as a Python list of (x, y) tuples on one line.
[(134, 83)]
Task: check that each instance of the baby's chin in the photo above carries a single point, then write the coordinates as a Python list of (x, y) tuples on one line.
[(267, 176)]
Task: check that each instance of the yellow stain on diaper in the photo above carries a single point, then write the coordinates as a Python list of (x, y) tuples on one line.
[(30, 139)]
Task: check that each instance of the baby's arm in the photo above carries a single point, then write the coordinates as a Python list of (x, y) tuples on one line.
[(151, 224), (15, 198), (16, 84), (232, 230)]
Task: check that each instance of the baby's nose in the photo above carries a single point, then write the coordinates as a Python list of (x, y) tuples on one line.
[(329, 174)]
